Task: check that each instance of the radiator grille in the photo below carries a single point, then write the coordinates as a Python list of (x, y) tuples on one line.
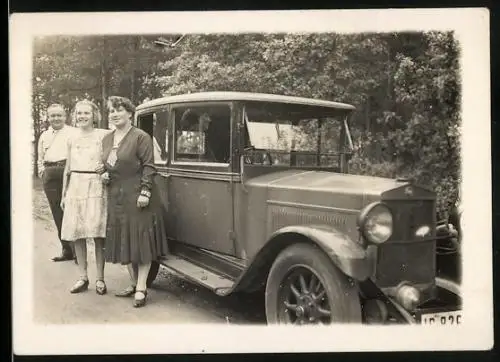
[(412, 262), (408, 216)]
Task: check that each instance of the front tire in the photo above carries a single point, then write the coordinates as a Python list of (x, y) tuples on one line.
[(305, 287)]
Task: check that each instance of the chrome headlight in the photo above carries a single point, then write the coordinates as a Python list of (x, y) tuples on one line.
[(376, 223)]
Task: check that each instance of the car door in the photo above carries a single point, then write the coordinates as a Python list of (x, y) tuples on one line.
[(200, 177), (155, 122)]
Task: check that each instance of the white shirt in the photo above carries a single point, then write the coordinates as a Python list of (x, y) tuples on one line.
[(53, 145)]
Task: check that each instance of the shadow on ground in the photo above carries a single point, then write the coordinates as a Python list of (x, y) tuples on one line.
[(241, 308)]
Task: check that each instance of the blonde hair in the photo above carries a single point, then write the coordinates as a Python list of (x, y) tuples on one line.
[(96, 113)]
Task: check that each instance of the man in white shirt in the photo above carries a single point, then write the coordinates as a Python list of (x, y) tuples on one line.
[(52, 150)]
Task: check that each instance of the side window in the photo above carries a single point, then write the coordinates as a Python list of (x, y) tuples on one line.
[(160, 137), (202, 134), (156, 125)]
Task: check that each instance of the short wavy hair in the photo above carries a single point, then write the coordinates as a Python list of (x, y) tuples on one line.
[(96, 113), (117, 102), (56, 105)]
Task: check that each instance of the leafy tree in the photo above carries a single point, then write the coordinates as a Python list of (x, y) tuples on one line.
[(69, 68), (421, 137), (405, 86)]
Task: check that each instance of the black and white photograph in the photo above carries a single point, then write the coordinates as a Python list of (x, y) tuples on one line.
[(236, 181)]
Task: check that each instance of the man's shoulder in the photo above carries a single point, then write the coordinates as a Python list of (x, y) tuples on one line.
[(44, 133)]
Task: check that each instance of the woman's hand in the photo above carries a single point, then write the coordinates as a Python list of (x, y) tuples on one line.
[(105, 178), (100, 169), (142, 201)]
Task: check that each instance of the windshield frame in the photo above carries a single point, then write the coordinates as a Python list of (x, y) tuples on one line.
[(322, 115)]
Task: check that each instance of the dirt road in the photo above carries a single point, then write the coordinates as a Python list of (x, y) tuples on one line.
[(171, 299)]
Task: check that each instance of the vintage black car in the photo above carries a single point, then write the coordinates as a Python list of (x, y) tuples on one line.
[(258, 198)]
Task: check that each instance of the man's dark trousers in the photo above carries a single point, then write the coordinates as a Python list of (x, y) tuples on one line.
[(52, 185)]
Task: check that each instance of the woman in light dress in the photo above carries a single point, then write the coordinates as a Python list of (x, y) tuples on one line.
[(84, 196)]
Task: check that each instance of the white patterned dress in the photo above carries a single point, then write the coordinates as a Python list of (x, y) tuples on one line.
[(85, 204)]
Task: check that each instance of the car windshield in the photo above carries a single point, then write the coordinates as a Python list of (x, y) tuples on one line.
[(296, 137)]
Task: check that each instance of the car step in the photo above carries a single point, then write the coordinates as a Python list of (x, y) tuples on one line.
[(192, 272)]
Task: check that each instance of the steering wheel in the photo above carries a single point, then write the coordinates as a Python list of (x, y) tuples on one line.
[(247, 159), (267, 155)]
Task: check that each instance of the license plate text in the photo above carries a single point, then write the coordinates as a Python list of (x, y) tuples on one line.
[(444, 319)]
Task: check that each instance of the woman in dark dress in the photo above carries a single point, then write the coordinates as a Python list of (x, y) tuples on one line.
[(135, 233)]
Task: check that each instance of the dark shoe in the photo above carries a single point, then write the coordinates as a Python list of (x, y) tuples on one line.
[(63, 257), (80, 286), (100, 287), (127, 292), (141, 302)]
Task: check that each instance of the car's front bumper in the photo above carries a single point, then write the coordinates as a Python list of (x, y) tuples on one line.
[(444, 309)]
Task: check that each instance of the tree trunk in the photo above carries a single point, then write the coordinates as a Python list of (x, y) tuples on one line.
[(389, 95), (367, 115), (39, 126), (132, 86), (36, 133), (133, 75), (104, 84)]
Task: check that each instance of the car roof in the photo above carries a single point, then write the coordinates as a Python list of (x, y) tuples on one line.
[(243, 96)]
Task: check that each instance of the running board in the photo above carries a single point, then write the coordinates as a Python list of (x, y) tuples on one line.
[(196, 274)]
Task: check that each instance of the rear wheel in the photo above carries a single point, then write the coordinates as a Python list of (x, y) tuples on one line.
[(305, 287)]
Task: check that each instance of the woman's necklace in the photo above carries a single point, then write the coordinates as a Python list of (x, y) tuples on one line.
[(86, 133), (118, 137)]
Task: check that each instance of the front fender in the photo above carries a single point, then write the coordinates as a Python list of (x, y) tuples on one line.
[(346, 254)]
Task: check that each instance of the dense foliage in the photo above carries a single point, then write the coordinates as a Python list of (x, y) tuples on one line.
[(405, 86)]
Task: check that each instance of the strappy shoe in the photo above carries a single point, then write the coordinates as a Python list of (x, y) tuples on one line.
[(141, 302), (127, 292), (100, 287), (64, 257), (80, 286)]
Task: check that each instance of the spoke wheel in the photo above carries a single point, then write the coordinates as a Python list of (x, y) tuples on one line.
[(303, 298), (304, 287)]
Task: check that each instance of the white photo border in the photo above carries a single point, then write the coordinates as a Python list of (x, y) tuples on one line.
[(471, 27)]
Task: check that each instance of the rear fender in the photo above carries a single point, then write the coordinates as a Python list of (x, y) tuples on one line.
[(345, 253)]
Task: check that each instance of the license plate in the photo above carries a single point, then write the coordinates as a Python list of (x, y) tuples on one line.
[(443, 319)]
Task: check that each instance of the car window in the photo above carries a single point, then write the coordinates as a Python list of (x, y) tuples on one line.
[(156, 125), (202, 134), (160, 137)]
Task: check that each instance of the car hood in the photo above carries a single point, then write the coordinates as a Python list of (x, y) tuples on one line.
[(322, 188)]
